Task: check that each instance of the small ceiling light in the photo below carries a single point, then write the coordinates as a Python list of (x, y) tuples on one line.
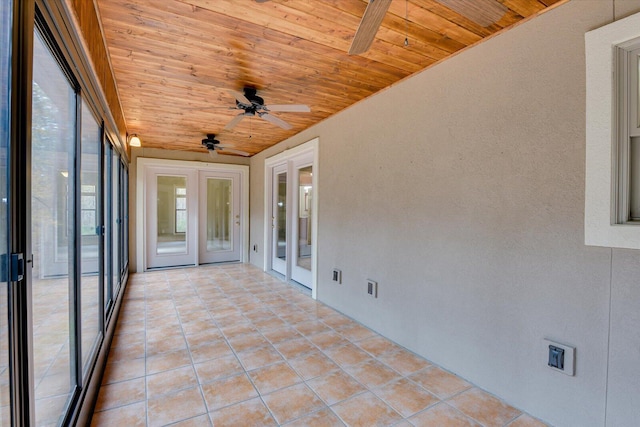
[(134, 141)]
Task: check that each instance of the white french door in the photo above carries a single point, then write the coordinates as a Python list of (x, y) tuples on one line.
[(220, 217), (171, 220), (191, 213), (291, 218)]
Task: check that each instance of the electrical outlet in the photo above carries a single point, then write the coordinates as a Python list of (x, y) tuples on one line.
[(337, 276), (372, 288), (560, 357)]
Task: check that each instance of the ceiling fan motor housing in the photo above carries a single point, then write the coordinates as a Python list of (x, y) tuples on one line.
[(251, 95), (210, 142)]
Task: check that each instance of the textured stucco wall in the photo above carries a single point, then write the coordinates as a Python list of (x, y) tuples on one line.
[(461, 191)]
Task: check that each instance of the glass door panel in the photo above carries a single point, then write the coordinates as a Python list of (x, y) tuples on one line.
[(219, 217), (279, 250), (305, 193), (52, 219), (5, 83), (171, 212), (108, 226), (301, 269), (171, 215), (115, 222), (89, 239)]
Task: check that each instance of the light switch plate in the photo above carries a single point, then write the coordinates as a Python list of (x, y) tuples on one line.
[(569, 356)]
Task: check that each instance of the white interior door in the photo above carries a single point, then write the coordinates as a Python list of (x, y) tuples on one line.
[(220, 217), (279, 247), (171, 217)]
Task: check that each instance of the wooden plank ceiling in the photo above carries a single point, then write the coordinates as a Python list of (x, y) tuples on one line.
[(176, 60)]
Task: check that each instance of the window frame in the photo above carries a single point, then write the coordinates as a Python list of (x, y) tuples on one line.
[(606, 173), (626, 56)]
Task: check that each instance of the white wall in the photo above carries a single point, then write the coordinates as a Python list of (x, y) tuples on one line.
[(461, 191)]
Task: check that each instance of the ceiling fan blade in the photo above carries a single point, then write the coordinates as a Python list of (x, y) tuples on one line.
[(482, 12), (371, 20), (240, 97), (289, 108), (226, 149), (233, 123), (276, 121)]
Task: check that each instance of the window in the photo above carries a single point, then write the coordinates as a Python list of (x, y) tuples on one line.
[(612, 182), (626, 152)]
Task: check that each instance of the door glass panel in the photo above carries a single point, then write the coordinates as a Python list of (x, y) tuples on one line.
[(281, 216), (634, 178), (108, 221), (219, 215), (52, 189), (89, 241), (305, 191), (637, 95), (115, 222), (172, 215), (5, 83), (125, 223)]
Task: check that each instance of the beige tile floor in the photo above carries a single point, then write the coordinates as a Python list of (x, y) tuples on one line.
[(231, 346)]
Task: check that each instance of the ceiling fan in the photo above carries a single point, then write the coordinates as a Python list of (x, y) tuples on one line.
[(251, 104), (482, 12), (214, 146)]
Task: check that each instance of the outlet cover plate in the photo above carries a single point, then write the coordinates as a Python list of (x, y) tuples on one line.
[(337, 276), (569, 356), (372, 288)]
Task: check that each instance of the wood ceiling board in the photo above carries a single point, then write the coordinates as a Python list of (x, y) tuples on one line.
[(525, 8), (153, 43), (174, 59), (482, 12)]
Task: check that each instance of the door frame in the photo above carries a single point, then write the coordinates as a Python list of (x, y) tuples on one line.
[(288, 157), (143, 163)]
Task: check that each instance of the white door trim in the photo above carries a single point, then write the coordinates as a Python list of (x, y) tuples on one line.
[(286, 157), (141, 166)]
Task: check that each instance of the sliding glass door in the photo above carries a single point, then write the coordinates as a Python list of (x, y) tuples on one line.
[(52, 234), (54, 292), (90, 235), (74, 282)]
